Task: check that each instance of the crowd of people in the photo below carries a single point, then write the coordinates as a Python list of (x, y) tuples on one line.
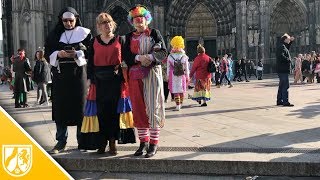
[(130, 78)]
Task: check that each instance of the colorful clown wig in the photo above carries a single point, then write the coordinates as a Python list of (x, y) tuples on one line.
[(177, 42), (139, 11)]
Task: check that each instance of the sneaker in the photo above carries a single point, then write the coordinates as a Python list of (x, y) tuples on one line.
[(58, 148), (178, 107), (230, 86)]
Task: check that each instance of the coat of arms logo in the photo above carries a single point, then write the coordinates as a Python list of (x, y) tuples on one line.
[(17, 159)]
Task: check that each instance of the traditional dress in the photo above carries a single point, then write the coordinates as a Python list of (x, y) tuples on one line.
[(104, 70), (203, 78)]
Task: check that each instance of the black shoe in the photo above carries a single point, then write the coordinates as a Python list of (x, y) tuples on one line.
[(143, 146), (102, 149), (279, 103), (288, 105), (151, 151), (247, 81), (18, 106), (204, 104), (58, 148)]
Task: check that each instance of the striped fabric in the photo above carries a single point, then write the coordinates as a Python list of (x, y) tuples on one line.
[(154, 135), (154, 97), (153, 87)]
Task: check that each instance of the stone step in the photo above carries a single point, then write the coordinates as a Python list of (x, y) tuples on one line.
[(200, 163)]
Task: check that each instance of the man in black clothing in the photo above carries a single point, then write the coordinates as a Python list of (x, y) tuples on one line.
[(244, 69), (283, 69)]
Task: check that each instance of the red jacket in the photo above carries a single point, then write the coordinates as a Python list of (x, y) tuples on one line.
[(199, 67)]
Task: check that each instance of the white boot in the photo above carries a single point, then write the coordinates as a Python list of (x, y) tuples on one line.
[(178, 107)]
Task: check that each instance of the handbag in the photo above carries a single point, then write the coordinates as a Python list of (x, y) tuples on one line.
[(139, 72)]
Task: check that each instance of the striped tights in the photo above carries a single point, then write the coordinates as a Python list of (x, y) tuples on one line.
[(149, 135)]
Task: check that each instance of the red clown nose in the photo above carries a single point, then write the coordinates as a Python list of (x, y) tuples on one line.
[(138, 19)]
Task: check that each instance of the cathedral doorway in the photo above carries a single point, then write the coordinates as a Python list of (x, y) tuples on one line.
[(201, 28), (289, 17), (119, 15)]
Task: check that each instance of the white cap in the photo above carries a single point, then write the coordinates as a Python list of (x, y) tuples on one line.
[(68, 15)]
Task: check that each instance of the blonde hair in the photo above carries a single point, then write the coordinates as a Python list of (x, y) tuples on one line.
[(102, 17), (201, 49)]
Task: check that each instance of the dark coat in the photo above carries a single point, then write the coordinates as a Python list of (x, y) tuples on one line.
[(283, 58), (21, 69), (41, 72)]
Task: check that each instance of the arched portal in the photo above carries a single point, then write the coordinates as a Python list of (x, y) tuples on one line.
[(201, 27), (119, 12), (119, 15), (289, 17), (219, 25)]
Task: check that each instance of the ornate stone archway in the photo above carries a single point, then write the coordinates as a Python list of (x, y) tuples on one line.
[(219, 27), (289, 17), (119, 11)]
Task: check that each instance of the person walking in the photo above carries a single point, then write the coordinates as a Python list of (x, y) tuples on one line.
[(178, 70), (41, 76), (66, 48), (202, 92), (283, 69), (143, 52), (260, 69), (224, 67)]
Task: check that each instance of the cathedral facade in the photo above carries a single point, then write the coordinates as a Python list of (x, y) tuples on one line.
[(245, 28)]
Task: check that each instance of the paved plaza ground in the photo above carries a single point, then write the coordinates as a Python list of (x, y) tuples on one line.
[(240, 124)]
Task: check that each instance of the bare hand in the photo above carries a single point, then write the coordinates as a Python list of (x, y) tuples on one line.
[(292, 38), (62, 54), (145, 60), (71, 54)]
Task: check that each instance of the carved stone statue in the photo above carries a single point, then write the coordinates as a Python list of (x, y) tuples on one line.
[(307, 38), (233, 38), (222, 42), (303, 39), (256, 38), (318, 35), (250, 38), (218, 43), (227, 41)]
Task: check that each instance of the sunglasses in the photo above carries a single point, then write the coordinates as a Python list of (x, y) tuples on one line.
[(68, 20), (105, 22)]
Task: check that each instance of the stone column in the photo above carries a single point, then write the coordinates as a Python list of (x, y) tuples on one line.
[(15, 24), (264, 30), (244, 27), (238, 31), (311, 13), (32, 34)]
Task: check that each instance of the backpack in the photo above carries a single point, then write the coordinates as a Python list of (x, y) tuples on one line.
[(211, 67), (178, 67)]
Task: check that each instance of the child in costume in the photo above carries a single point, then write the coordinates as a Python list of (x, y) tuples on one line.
[(178, 76)]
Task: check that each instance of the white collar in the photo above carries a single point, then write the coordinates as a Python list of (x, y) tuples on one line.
[(75, 35)]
